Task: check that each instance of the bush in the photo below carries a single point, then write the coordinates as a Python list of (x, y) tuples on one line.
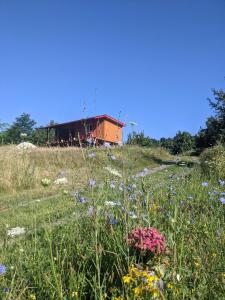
[(212, 162)]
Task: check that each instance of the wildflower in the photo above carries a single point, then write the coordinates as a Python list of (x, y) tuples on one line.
[(16, 231), (112, 185), (82, 199), (222, 194), (107, 145), (113, 221), (221, 182), (169, 286), (190, 197), (113, 171), (110, 203), (222, 200), (91, 182), (3, 269), (46, 182), (74, 294), (132, 215), (90, 210), (61, 181), (178, 277), (205, 184), (218, 232), (127, 279), (137, 291), (112, 157), (32, 297), (91, 155), (147, 239)]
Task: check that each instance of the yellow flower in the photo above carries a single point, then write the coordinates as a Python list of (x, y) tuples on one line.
[(74, 294), (134, 272), (137, 291), (169, 286), (127, 279), (32, 297), (155, 293), (117, 298)]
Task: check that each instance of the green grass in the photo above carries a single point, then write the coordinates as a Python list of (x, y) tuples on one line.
[(68, 253)]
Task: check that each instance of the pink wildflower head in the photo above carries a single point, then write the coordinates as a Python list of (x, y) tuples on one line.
[(147, 239)]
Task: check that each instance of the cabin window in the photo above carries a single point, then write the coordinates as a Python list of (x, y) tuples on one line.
[(89, 128)]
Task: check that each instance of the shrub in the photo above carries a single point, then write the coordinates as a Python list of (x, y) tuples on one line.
[(212, 162)]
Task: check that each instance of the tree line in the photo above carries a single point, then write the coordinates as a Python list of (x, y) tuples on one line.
[(23, 128), (183, 141)]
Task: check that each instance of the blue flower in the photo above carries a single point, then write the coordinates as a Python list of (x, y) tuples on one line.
[(221, 182), (113, 221), (222, 200), (3, 269), (82, 199), (222, 194), (205, 183)]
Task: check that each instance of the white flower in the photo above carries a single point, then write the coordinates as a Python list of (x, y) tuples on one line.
[(16, 231), (110, 203), (113, 171), (62, 181), (178, 277)]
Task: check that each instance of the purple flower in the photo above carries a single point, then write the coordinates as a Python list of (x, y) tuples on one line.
[(112, 185), (91, 155), (91, 182), (205, 183), (222, 200), (221, 182), (113, 221), (3, 269), (82, 199), (90, 211), (222, 194)]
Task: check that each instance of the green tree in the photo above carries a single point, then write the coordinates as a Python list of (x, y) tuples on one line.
[(167, 143), (3, 127), (140, 139), (214, 132), (183, 141), (23, 125)]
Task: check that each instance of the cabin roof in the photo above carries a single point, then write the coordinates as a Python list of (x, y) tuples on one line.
[(88, 119)]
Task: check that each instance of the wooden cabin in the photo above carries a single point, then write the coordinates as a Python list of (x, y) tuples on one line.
[(93, 131)]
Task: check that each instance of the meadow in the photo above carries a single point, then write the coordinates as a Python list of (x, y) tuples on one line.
[(122, 223)]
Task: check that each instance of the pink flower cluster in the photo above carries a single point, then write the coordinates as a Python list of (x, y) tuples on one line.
[(147, 239)]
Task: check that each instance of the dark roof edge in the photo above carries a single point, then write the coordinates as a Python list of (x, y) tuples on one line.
[(86, 119)]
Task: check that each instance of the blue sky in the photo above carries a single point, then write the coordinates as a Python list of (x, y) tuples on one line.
[(149, 61)]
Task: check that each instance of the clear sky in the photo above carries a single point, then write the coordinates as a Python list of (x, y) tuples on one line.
[(149, 61)]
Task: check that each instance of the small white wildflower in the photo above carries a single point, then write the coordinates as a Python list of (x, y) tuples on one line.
[(16, 231), (61, 181), (113, 171), (110, 203)]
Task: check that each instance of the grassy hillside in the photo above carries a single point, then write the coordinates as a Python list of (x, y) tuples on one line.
[(75, 240)]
